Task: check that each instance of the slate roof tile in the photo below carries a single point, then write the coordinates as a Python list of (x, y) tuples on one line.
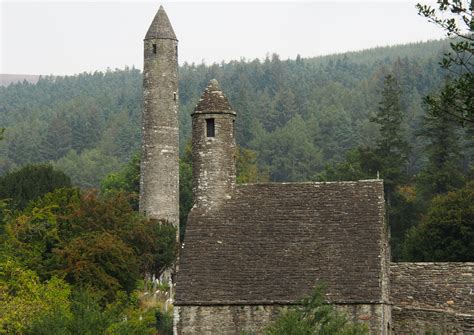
[(273, 242)]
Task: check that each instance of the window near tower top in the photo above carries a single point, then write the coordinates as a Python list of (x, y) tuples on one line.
[(210, 127), (154, 49)]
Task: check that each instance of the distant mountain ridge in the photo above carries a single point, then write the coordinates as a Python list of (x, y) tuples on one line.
[(7, 79), (412, 49)]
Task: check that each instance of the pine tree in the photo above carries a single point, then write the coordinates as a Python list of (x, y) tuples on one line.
[(58, 139), (391, 154), (392, 148), (285, 106), (443, 171)]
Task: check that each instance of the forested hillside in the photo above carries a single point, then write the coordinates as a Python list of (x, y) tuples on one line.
[(298, 115), (351, 116), (73, 259)]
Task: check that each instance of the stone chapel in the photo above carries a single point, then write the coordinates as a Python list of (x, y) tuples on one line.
[(251, 249)]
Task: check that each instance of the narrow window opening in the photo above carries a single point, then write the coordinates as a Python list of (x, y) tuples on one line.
[(176, 49), (174, 96), (154, 49), (233, 129), (211, 130)]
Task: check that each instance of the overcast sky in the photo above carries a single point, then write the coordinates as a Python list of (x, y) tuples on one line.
[(66, 37)]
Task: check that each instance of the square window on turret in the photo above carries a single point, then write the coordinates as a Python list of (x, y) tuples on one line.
[(154, 49), (210, 127)]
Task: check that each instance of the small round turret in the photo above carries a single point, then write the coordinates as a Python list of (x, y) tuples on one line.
[(213, 148)]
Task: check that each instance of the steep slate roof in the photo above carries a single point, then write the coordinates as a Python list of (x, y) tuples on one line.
[(213, 100), (160, 27), (271, 243)]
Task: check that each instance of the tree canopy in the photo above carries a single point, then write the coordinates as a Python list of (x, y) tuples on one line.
[(446, 234), (297, 115), (455, 99), (29, 182)]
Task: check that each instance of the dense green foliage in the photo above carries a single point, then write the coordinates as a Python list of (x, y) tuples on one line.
[(30, 182), (298, 115), (301, 118), (441, 153), (446, 234), (71, 262), (31, 306), (455, 99), (92, 242), (24, 299), (392, 147), (71, 259), (127, 179), (338, 117), (164, 323), (443, 171), (314, 317)]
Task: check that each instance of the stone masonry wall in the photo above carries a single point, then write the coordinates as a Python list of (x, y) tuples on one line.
[(432, 297), (159, 177), (252, 319), (376, 316), (223, 319), (213, 160)]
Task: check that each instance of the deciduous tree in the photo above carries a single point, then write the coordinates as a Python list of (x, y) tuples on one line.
[(447, 232)]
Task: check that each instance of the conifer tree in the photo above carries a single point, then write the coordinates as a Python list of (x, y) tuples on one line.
[(391, 155), (392, 148), (456, 18), (443, 171), (285, 106), (30, 182), (57, 141)]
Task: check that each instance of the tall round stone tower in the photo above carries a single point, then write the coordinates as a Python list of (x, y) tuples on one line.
[(159, 175), (214, 148)]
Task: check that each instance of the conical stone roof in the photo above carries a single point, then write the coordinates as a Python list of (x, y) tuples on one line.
[(161, 27), (213, 100)]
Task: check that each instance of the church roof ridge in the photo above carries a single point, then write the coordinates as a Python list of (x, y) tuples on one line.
[(316, 183)]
